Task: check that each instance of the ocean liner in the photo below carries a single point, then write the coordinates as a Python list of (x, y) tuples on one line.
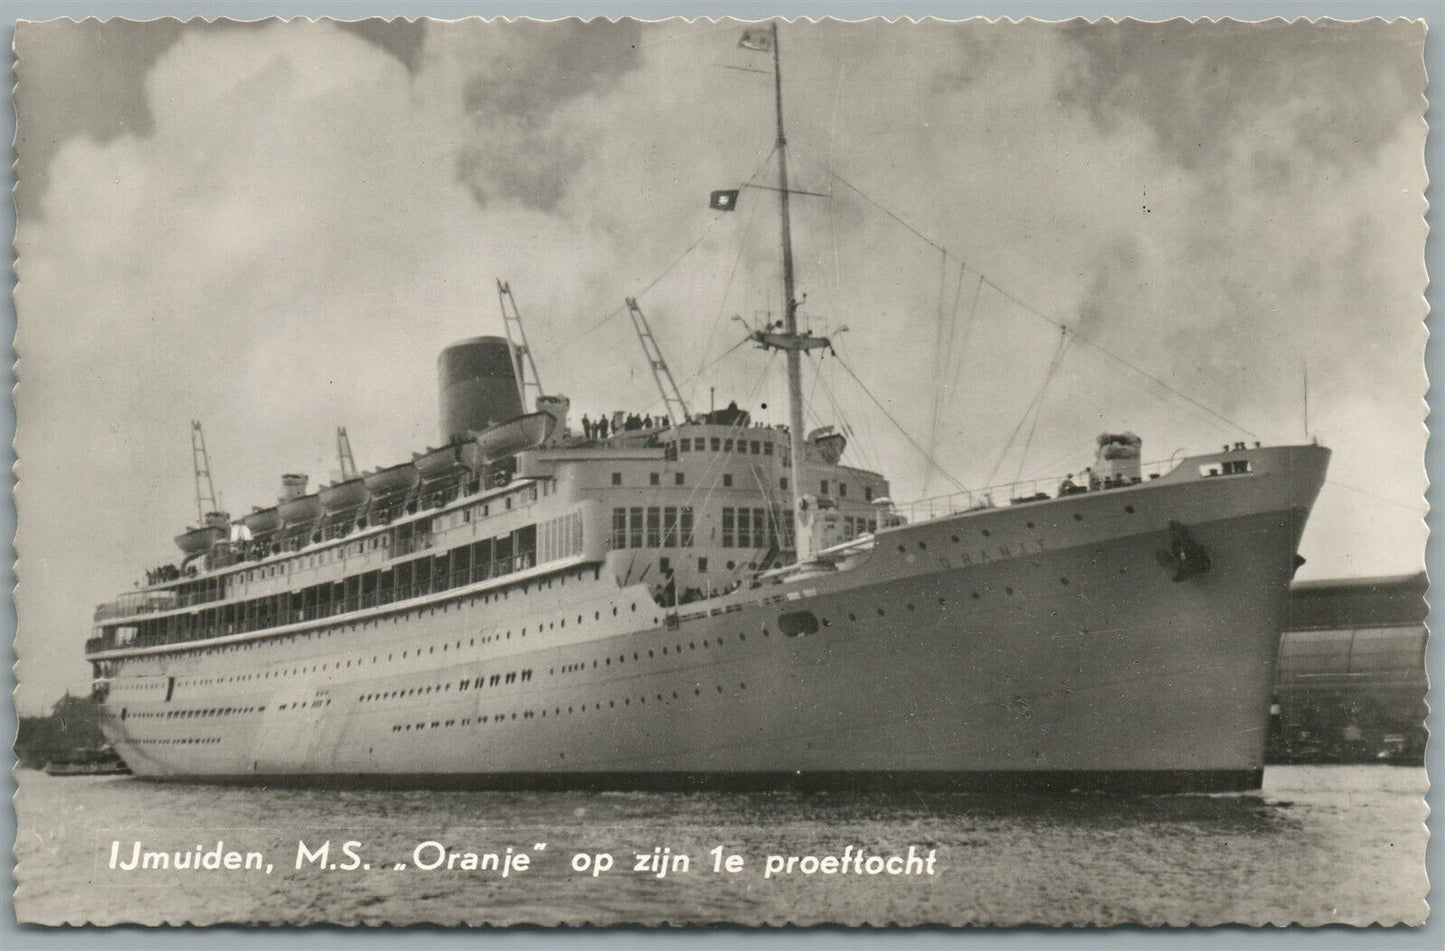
[(709, 602)]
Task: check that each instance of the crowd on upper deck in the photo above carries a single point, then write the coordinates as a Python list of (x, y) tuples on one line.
[(620, 422)]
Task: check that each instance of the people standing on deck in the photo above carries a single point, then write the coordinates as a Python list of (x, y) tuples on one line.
[(586, 427)]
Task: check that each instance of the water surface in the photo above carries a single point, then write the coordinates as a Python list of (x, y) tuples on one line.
[(1320, 844)]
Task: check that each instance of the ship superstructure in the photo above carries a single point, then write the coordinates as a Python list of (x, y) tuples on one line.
[(711, 600)]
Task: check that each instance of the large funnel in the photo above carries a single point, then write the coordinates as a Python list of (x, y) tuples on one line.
[(477, 386)]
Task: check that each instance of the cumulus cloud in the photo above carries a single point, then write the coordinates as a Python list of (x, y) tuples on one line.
[(294, 218)]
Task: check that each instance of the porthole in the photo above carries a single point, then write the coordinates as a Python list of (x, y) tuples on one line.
[(1129, 509), (1064, 582), (881, 612), (955, 539), (922, 546), (1008, 590), (987, 533), (1078, 517), (1029, 524), (974, 595)]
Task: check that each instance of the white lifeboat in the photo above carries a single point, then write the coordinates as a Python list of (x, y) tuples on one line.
[(389, 481), (507, 439), (344, 496), (301, 510), (435, 463), (261, 521), (198, 541)]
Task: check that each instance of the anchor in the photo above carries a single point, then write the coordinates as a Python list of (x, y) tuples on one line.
[(1184, 555)]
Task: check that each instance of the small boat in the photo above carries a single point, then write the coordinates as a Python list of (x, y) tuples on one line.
[(825, 445), (301, 510), (344, 496), (436, 463), (390, 481), (507, 439), (262, 521), (198, 541)]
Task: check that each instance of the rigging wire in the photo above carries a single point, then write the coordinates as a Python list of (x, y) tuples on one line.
[(899, 426), (656, 280), (942, 359), (722, 303), (1039, 408), (1033, 311), (1029, 410), (862, 443)]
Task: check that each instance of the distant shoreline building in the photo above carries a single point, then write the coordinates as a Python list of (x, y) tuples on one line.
[(1352, 681)]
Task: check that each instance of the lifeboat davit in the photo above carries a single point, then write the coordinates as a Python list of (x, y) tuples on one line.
[(826, 445), (344, 496), (198, 541), (508, 439), (261, 521), (402, 478), (301, 510)]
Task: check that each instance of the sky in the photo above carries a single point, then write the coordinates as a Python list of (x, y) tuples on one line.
[(274, 228)]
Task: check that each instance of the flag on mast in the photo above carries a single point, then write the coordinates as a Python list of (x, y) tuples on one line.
[(725, 200), (759, 39)]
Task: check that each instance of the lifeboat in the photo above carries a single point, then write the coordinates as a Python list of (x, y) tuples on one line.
[(825, 445), (392, 480), (435, 463), (300, 510), (344, 496), (198, 541), (262, 521), (508, 439)]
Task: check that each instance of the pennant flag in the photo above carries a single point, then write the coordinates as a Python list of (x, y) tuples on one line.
[(758, 39), (725, 200)]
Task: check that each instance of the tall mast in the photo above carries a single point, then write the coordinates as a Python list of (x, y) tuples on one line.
[(802, 532)]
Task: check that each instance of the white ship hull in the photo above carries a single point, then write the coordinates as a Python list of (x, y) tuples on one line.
[(1042, 644)]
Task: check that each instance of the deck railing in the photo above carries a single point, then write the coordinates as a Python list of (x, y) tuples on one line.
[(1022, 492)]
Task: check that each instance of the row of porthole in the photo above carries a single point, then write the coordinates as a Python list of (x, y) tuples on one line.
[(987, 533), (179, 741), (469, 683), (188, 714), (530, 714), (636, 655), (942, 602), (304, 705), (360, 661)]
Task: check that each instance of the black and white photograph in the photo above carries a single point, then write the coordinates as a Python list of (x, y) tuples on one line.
[(707, 471)]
